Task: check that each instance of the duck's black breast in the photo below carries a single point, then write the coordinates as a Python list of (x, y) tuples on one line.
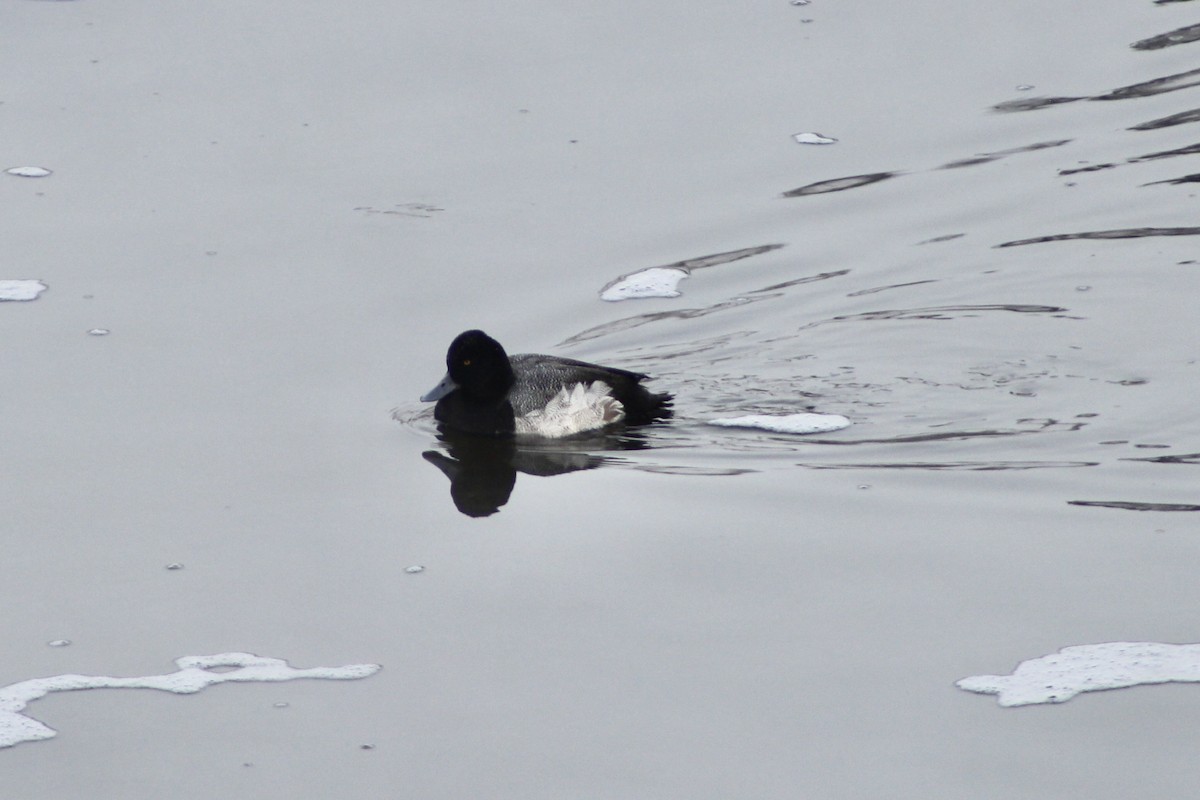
[(459, 412)]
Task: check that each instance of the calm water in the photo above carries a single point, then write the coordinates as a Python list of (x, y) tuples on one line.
[(283, 214)]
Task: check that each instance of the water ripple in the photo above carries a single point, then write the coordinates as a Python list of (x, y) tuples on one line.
[(1119, 233), (968, 466), (1128, 505)]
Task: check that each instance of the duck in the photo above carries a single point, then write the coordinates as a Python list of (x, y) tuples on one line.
[(488, 392)]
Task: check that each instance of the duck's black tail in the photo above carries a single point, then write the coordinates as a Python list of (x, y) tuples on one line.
[(645, 406)]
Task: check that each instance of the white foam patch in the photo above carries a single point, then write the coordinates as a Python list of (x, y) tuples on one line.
[(652, 282), (812, 137), (194, 673), (790, 423), (1090, 668), (29, 172), (21, 290)]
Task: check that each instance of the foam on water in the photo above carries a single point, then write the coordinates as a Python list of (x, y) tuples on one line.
[(1090, 668), (21, 290), (812, 137), (29, 172), (652, 282), (790, 423), (194, 673)]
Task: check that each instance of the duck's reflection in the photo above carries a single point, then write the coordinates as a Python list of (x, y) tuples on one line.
[(483, 470)]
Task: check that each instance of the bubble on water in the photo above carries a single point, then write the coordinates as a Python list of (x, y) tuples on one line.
[(99, 332), (21, 290), (812, 138), (864, 486), (1083, 288), (414, 569), (280, 704), (29, 172), (1025, 87), (59, 643), (174, 565)]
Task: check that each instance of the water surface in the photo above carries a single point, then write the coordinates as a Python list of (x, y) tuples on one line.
[(284, 216)]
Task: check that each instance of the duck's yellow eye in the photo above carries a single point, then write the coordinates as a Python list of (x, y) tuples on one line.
[(466, 362)]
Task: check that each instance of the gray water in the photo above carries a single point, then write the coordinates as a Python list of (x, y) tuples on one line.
[(284, 212)]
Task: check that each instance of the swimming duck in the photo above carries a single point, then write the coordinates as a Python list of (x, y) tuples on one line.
[(488, 392)]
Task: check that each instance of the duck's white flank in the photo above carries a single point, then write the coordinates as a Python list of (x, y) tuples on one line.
[(574, 409)]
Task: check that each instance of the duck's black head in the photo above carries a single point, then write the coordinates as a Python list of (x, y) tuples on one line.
[(479, 366)]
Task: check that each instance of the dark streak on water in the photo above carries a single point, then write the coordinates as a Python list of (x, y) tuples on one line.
[(1168, 83), (840, 184), (1033, 103), (971, 466), (943, 312), (1189, 150), (1165, 122), (877, 289), (1192, 178), (856, 181), (1092, 168), (1134, 506), (693, 471), (1178, 36), (722, 258), (1120, 233), (984, 158), (1189, 458), (798, 281)]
